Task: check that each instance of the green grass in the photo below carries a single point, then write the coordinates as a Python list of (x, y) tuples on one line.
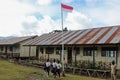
[(11, 71)]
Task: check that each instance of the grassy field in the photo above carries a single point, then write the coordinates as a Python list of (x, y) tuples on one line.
[(11, 71)]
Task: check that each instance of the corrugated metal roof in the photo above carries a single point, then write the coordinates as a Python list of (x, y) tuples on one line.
[(14, 40), (103, 35)]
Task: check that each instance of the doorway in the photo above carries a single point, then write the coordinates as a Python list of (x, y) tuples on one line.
[(69, 55)]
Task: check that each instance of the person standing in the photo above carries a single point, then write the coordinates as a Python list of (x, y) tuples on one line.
[(54, 68), (59, 68), (48, 66), (113, 70)]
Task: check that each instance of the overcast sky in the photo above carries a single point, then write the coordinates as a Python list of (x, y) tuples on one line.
[(36, 17)]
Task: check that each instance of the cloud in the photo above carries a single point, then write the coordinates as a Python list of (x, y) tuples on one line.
[(12, 14), (91, 2), (46, 24), (27, 17), (105, 13), (67, 1), (31, 19), (77, 20), (51, 10), (73, 21), (32, 25), (8, 18), (29, 25), (44, 2), (19, 17), (27, 1)]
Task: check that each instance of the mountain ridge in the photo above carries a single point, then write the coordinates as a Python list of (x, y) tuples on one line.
[(7, 37)]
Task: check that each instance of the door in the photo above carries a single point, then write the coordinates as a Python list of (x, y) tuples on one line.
[(37, 53), (69, 55)]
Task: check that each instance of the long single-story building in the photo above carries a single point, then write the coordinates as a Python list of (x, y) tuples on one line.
[(13, 47), (94, 45)]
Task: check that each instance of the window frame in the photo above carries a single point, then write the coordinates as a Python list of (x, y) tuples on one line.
[(88, 51), (109, 51), (58, 50), (49, 50)]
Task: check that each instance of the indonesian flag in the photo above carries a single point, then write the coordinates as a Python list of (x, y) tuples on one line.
[(66, 7)]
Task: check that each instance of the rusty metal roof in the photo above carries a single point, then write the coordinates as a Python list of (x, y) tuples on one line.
[(15, 40), (103, 35)]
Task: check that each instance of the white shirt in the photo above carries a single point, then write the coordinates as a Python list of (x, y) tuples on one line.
[(54, 64), (47, 64), (58, 66)]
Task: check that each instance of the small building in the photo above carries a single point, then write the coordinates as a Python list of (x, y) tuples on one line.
[(13, 47), (94, 45)]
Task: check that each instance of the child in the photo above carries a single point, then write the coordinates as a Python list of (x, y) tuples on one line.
[(48, 66), (113, 70), (58, 68), (54, 68)]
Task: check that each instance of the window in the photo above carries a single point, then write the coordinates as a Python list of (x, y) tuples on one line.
[(49, 50), (88, 51), (58, 50), (16, 49), (109, 51), (76, 50)]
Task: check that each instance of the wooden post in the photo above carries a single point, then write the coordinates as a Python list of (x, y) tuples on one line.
[(75, 55), (6, 52), (93, 56), (117, 48)]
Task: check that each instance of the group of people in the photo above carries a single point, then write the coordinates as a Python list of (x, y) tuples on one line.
[(56, 67)]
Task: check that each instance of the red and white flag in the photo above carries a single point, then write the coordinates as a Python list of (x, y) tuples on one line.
[(66, 7)]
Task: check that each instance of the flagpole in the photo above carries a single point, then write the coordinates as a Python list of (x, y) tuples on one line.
[(63, 73), (69, 8)]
